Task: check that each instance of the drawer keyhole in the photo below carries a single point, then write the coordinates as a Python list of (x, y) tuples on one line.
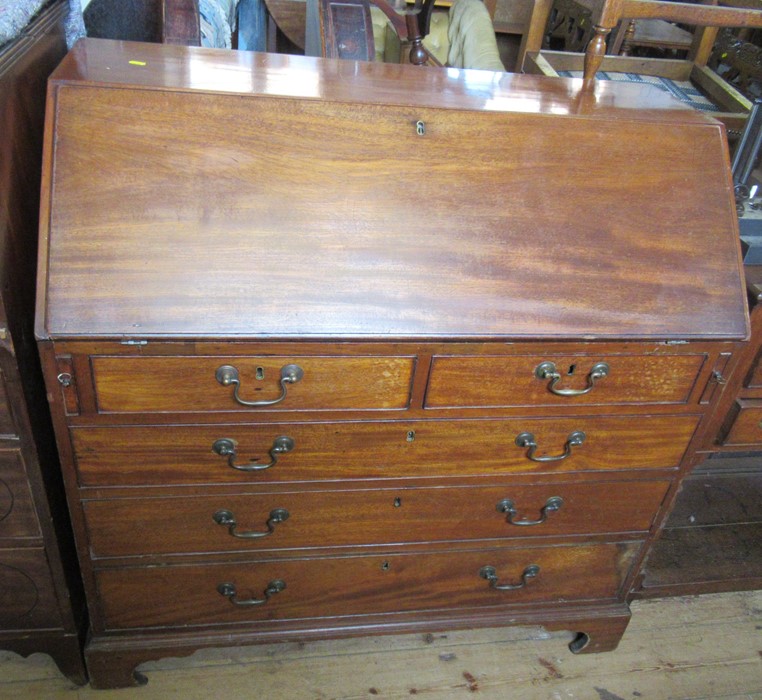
[(386, 566), (260, 373), (397, 502), (571, 369)]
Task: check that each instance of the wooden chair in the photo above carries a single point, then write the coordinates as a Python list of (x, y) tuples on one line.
[(571, 24), (650, 34), (346, 29), (464, 36), (691, 78)]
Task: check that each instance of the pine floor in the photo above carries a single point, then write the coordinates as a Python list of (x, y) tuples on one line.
[(707, 647)]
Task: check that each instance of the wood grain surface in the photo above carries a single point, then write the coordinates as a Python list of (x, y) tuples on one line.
[(504, 223), (176, 384), (501, 381), (746, 428), (139, 527), (187, 595), (176, 454)]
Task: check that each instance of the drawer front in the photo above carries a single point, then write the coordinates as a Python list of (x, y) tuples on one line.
[(27, 598), (374, 449), (130, 527), (747, 425), (179, 384), (326, 587), (754, 380), (18, 517), (7, 424), (518, 380)]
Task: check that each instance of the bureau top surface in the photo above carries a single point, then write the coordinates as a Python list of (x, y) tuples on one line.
[(198, 193)]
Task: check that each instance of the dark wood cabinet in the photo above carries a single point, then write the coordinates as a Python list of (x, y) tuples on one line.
[(41, 602), (712, 540), (338, 349)]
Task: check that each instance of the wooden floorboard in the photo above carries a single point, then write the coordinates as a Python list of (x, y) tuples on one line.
[(690, 648)]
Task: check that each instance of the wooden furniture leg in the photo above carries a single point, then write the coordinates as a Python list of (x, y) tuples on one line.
[(595, 52)]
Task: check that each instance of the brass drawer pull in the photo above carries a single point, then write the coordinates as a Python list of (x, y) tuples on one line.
[(547, 370), (228, 375), (231, 593), (489, 573), (225, 447), (227, 519), (506, 506), (527, 440)]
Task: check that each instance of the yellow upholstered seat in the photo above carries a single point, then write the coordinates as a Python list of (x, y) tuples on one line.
[(462, 37)]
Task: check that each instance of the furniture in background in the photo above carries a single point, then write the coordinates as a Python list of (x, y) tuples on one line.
[(690, 79), (209, 23), (41, 602), (656, 35), (305, 387), (461, 37), (347, 31), (291, 17), (570, 26), (181, 23), (713, 539), (128, 20), (738, 62)]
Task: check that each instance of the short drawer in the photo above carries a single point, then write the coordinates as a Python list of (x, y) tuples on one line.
[(180, 595), (180, 384), (746, 428), (131, 526), (540, 380), (18, 517), (27, 597), (185, 454), (754, 378)]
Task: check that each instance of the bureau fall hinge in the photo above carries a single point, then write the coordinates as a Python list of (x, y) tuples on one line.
[(134, 342), (676, 342)]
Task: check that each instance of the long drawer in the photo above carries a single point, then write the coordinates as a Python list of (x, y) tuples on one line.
[(210, 384), (341, 586), (132, 526), (561, 380), (185, 454)]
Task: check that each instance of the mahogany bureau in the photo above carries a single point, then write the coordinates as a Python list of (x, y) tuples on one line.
[(338, 349), (42, 608)]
